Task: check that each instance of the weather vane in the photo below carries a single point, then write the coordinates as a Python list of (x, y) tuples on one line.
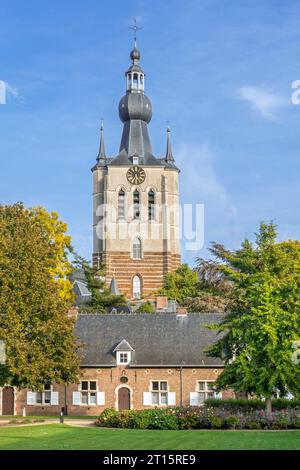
[(135, 28)]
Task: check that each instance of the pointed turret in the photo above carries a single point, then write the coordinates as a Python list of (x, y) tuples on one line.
[(101, 157), (113, 288), (169, 154)]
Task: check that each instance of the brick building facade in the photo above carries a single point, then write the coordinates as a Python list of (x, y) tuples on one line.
[(132, 361)]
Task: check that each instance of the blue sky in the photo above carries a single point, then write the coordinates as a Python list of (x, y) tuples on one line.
[(220, 71)]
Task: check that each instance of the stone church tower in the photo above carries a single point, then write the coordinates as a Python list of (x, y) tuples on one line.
[(136, 199)]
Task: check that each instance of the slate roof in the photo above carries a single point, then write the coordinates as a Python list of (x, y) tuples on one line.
[(162, 339), (82, 292), (123, 346)]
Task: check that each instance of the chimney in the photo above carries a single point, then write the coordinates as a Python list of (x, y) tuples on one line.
[(73, 312), (181, 312)]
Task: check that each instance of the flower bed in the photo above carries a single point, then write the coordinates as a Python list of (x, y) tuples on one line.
[(198, 418)]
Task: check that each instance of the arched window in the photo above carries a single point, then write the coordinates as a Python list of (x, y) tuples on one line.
[(137, 248), (136, 287), (136, 204), (151, 205), (135, 80), (121, 204)]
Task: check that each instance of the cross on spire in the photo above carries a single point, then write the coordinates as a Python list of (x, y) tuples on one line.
[(135, 28)]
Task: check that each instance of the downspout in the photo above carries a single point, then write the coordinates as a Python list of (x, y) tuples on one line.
[(181, 386)]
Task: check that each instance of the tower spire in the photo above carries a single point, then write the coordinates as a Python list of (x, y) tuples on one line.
[(135, 28), (101, 157), (169, 153)]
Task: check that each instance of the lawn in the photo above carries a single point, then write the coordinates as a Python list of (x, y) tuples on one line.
[(64, 437)]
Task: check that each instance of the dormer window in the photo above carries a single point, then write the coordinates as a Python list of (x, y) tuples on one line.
[(135, 160), (123, 358), (123, 353)]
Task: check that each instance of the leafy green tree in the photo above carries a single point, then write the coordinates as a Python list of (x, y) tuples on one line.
[(264, 316), (101, 298), (146, 307), (181, 284), (35, 296)]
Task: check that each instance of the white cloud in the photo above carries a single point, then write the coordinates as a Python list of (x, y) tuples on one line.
[(263, 101), (200, 180), (11, 90)]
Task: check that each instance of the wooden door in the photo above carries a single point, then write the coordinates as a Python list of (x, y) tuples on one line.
[(124, 399), (8, 401)]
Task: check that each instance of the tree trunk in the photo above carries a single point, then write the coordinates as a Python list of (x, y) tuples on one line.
[(268, 408)]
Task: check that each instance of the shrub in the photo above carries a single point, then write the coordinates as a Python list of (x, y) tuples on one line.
[(215, 422), (232, 422), (251, 404), (255, 424), (279, 423)]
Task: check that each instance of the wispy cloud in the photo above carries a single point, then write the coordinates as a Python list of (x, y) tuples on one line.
[(11, 90), (263, 101), (200, 179)]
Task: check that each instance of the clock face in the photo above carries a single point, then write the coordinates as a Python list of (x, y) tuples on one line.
[(136, 175)]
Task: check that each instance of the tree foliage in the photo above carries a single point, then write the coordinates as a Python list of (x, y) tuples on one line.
[(264, 315), (101, 298), (181, 284), (35, 296)]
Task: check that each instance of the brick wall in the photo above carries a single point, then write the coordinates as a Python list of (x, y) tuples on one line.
[(108, 381), (152, 269)]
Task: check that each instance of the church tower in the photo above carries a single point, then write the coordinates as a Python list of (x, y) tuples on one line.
[(136, 199)]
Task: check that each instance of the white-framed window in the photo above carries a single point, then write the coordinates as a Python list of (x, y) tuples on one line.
[(121, 204), (88, 392), (42, 398), (136, 204), (204, 390), (137, 287), (137, 248), (151, 205), (123, 357), (159, 392)]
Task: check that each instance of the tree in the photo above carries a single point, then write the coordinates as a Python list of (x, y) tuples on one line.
[(263, 322), (181, 284), (35, 296), (213, 288), (101, 298), (146, 307)]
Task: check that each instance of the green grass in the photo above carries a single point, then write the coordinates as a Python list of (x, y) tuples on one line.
[(64, 437)]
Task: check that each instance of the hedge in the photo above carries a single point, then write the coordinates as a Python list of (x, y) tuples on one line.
[(251, 404), (198, 418)]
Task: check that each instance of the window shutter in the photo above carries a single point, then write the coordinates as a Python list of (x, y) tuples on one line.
[(76, 398), (101, 398), (147, 398), (31, 398), (54, 398), (194, 399), (171, 398)]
